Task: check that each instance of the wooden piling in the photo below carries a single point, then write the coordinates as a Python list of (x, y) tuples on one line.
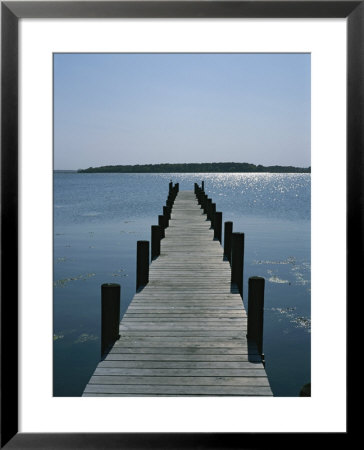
[(156, 241), (256, 311), (169, 203), (199, 197), (218, 226), (207, 207), (110, 315), (228, 229), (204, 202), (142, 263), (166, 214), (212, 214), (162, 223), (237, 260)]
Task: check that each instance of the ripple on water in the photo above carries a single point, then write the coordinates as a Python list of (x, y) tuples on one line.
[(291, 314), (84, 337), (289, 260), (275, 279), (64, 281), (301, 272)]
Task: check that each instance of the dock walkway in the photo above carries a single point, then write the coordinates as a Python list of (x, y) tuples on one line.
[(184, 333)]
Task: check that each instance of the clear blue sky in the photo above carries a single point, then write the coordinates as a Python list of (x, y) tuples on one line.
[(157, 108)]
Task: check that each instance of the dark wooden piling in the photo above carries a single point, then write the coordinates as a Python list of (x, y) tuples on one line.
[(156, 241), (169, 203), (162, 224), (204, 202), (207, 207), (212, 214), (218, 225), (203, 185), (166, 215), (228, 229), (199, 197), (256, 311), (167, 212), (110, 315), (237, 260), (142, 263)]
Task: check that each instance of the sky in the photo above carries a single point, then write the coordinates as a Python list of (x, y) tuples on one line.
[(115, 109)]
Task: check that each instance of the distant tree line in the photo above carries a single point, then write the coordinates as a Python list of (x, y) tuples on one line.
[(195, 167)]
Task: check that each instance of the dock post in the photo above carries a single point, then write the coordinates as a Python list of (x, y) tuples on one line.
[(256, 311), (207, 207), (212, 214), (199, 197), (156, 241), (110, 315), (203, 185), (142, 277), (166, 211), (228, 229), (218, 225), (237, 260), (170, 187), (161, 223), (204, 202), (166, 214), (169, 203)]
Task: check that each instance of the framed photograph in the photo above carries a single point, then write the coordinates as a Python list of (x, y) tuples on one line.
[(55, 57)]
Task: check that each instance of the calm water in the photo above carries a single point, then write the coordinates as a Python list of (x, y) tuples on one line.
[(98, 219)]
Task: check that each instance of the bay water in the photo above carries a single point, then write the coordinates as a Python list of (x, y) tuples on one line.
[(98, 219)]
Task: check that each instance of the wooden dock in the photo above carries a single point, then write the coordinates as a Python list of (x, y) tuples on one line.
[(184, 333)]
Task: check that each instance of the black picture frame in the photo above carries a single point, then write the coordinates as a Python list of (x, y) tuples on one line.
[(11, 12)]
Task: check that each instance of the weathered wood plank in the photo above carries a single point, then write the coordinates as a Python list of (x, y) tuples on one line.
[(183, 316), (148, 389), (189, 373), (178, 341), (153, 321), (183, 325), (187, 350), (102, 377), (182, 334), (252, 369), (182, 357)]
